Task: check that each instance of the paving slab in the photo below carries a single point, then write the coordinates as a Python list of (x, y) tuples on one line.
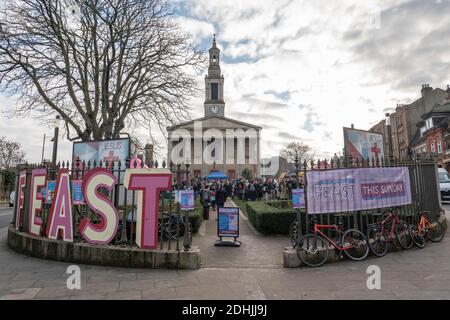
[(253, 271)]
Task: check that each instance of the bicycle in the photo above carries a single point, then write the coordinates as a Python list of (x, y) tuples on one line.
[(425, 230), (312, 249), (171, 227), (388, 229)]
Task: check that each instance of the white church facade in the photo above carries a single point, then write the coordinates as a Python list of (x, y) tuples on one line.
[(215, 142)]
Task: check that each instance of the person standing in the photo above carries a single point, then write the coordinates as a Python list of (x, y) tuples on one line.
[(221, 197), (212, 190), (12, 198), (206, 201)]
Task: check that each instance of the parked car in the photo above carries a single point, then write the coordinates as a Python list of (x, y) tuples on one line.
[(444, 184)]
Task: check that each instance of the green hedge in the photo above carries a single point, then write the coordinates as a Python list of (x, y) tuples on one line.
[(196, 216), (268, 219), (241, 204)]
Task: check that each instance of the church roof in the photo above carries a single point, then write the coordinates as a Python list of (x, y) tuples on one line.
[(190, 123)]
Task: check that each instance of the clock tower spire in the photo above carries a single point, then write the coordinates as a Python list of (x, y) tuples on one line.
[(214, 103)]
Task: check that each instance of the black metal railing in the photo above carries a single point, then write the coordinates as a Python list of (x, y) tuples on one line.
[(174, 227), (424, 188)]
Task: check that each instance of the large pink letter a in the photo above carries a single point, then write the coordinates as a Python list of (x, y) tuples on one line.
[(60, 217)]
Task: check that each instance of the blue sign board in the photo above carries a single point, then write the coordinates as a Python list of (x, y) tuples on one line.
[(228, 222), (298, 198), (77, 192), (187, 199), (47, 193)]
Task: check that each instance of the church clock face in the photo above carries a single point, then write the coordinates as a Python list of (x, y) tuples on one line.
[(214, 109)]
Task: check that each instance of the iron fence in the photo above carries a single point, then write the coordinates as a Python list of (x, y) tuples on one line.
[(174, 227), (424, 186)]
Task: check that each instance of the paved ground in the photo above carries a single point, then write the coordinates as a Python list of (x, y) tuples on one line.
[(252, 271)]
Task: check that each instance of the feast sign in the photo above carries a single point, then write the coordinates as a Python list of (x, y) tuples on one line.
[(147, 183), (357, 189)]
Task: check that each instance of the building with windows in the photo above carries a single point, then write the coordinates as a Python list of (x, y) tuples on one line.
[(215, 142), (405, 119), (433, 133)]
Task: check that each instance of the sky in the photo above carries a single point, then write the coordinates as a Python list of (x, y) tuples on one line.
[(302, 69)]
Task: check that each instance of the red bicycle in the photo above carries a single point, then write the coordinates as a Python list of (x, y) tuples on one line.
[(387, 230), (312, 249), (426, 230)]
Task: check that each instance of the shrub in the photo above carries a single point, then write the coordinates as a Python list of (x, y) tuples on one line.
[(196, 216), (268, 219), (241, 204)]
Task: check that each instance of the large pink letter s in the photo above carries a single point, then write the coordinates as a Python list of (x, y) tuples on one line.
[(60, 217), (147, 183), (105, 230)]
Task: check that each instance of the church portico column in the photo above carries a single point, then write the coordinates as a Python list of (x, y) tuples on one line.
[(258, 159)]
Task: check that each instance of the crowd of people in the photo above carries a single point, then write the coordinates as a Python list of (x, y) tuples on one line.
[(213, 193)]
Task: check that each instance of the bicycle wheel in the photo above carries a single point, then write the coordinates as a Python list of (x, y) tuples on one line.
[(356, 241), (312, 250), (436, 233), (176, 228), (293, 233), (402, 235), (377, 240), (418, 240)]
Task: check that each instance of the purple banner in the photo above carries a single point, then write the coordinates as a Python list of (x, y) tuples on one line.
[(357, 189)]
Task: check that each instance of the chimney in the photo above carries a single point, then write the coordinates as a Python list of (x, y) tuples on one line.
[(427, 97)]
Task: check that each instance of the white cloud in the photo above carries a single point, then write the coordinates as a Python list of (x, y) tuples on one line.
[(308, 68)]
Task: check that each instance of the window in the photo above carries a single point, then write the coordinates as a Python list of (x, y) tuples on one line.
[(433, 149), (439, 146), (400, 137), (422, 130), (429, 123), (214, 91)]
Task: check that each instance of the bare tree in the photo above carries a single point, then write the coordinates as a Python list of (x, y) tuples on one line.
[(297, 150), (11, 153), (103, 65)]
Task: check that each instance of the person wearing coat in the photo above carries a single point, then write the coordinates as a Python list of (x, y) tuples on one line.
[(221, 197)]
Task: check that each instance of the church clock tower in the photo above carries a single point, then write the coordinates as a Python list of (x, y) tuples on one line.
[(214, 104)]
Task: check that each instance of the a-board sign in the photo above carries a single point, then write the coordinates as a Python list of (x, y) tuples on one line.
[(298, 198), (228, 222)]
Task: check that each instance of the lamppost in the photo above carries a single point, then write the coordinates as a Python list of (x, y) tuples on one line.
[(178, 175), (55, 140), (296, 160), (187, 170), (389, 136)]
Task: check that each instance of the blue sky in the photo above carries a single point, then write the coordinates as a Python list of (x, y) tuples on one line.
[(304, 69)]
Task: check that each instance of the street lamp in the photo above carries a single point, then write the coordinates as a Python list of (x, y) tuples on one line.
[(296, 160), (186, 165), (55, 139), (389, 135)]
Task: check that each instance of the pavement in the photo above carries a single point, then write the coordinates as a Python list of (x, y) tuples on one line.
[(252, 271)]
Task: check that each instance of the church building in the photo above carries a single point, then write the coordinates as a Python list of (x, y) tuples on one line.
[(215, 142)]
